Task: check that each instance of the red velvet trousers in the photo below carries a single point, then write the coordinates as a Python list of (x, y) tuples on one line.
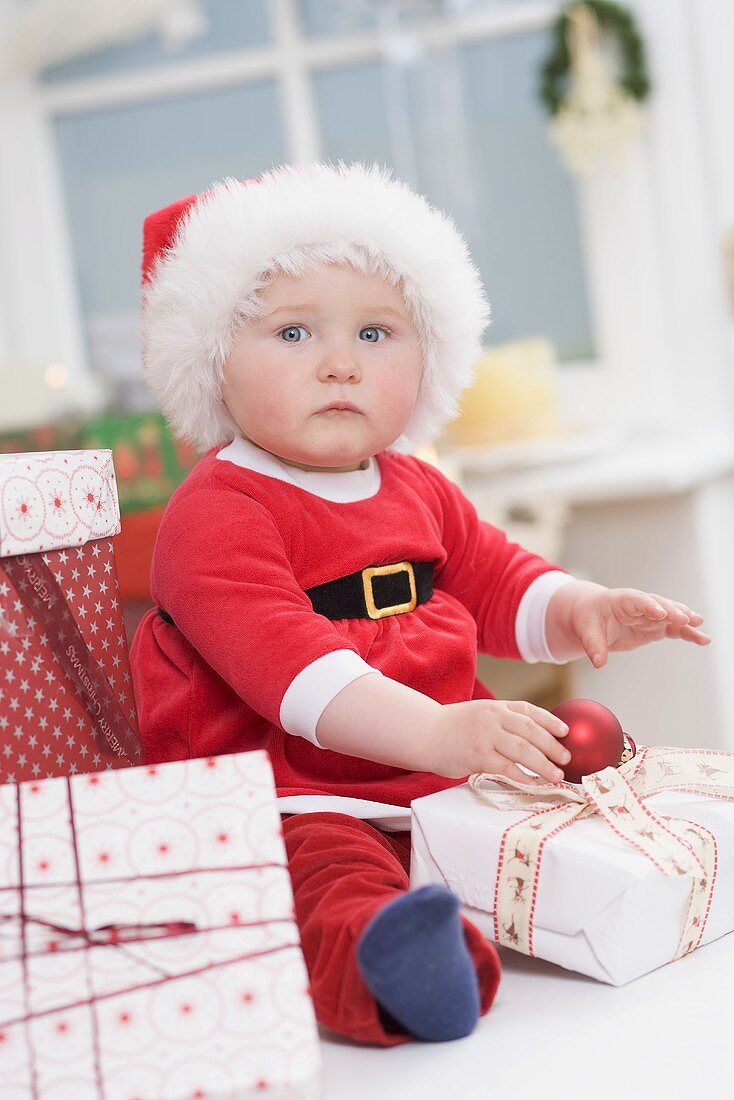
[(344, 870)]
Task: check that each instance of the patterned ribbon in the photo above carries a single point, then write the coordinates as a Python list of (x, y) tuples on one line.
[(118, 936), (674, 845)]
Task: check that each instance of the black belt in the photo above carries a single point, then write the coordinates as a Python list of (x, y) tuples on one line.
[(375, 592), (371, 593)]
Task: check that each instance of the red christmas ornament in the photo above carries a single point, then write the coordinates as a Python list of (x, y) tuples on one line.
[(595, 738)]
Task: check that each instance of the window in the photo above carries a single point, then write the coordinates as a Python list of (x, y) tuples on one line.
[(497, 177), (231, 25), (119, 165)]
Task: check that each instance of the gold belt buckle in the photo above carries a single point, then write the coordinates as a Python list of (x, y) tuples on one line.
[(380, 571)]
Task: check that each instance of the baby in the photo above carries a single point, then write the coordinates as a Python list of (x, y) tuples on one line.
[(322, 593)]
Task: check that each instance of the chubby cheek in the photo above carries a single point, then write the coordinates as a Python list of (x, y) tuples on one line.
[(400, 391), (253, 401)]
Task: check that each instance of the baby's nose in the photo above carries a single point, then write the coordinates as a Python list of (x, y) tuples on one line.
[(339, 365)]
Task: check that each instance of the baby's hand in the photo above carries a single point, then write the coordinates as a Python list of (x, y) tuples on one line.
[(617, 619), (493, 735)]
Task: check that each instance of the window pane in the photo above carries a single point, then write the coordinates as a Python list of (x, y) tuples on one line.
[(352, 109), (529, 245), (232, 25), (514, 203), (324, 17), (120, 165), (320, 18)]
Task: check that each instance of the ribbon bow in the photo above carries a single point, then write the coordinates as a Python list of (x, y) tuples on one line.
[(66, 937), (674, 845)]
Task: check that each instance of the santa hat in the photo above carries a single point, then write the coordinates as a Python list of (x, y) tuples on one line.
[(206, 256)]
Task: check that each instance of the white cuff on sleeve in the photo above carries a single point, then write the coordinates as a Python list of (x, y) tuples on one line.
[(530, 620), (315, 686)]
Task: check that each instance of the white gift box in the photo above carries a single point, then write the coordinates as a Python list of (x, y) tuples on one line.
[(148, 947), (601, 907), (54, 500)]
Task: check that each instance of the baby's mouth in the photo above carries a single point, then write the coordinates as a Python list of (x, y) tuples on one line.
[(339, 406)]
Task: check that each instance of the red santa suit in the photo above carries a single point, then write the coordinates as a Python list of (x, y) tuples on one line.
[(247, 663)]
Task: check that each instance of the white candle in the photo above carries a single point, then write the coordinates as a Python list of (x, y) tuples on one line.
[(514, 396)]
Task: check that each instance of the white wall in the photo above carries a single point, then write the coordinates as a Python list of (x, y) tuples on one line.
[(40, 321)]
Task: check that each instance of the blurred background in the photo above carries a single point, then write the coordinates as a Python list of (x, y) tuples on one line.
[(585, 151)]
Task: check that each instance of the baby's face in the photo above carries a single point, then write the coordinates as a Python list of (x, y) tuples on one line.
[(332, 335)]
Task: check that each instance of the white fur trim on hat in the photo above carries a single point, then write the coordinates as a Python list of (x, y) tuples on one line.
[(207, 282)]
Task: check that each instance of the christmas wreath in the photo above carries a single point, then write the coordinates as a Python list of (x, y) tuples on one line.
[(615, 21)]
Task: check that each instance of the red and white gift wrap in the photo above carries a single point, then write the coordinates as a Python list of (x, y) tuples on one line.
[(613, 877), (66, 701), (148, 949)]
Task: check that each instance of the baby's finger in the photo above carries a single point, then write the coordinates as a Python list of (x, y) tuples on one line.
[(688, 633), (636, 604), (694, 617), (513, 772), (595, 647), (522, 751), (549, 745), (544, 718), (673, 610)]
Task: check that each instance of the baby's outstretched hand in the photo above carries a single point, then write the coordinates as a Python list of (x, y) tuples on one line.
[(494, 735), (616, 619)]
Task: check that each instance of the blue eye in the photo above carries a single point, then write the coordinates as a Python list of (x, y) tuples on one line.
[(291, 333), (291, 329), (375, 328)]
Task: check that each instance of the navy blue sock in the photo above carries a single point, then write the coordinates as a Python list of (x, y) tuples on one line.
[(415, 962)]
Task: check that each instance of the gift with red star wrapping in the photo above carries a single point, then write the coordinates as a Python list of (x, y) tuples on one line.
[(66, 701), (148, 944)]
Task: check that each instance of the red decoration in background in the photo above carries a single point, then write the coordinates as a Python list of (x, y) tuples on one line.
[(134, 553), (595, 738)]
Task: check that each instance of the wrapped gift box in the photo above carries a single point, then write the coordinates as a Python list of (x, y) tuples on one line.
[(66, 700), (611, 882), (148, 949)]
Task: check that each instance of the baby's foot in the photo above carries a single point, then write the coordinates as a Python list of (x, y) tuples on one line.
[(414, 960)]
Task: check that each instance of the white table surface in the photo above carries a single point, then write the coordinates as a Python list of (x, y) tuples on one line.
[(551, 1033), (620, 468)]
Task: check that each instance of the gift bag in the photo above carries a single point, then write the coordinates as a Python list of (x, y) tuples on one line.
[(66, 700)]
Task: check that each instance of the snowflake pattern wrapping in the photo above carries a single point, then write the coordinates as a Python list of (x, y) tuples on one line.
[(66, 701), (148, 947)]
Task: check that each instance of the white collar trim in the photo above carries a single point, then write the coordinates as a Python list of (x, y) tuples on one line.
[(342, 487)]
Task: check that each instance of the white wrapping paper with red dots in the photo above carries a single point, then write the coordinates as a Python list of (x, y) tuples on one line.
[(613, 901), (56, 499), (148, 949)]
